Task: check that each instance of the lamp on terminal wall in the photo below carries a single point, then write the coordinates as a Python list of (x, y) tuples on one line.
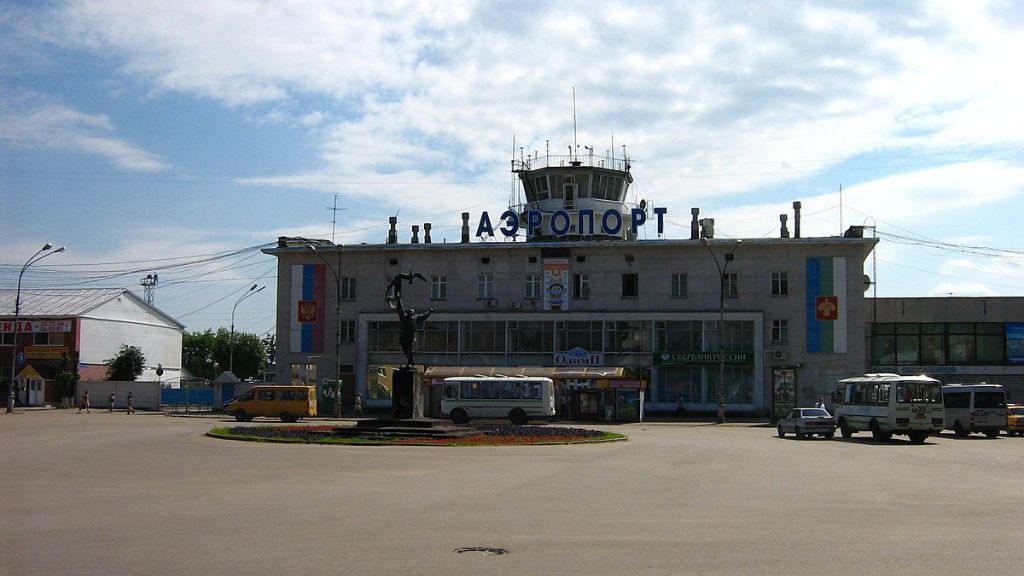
[(729, 257), (17, 311)]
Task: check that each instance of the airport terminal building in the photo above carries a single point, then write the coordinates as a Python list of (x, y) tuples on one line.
[(561, 285), (958, 340)]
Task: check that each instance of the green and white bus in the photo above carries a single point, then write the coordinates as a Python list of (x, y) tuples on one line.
[(887, 404), (517, 398)]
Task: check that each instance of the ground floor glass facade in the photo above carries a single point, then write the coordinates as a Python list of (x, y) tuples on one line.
[(678, 359)]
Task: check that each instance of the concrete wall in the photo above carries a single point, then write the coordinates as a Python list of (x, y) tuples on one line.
[(147, 394)]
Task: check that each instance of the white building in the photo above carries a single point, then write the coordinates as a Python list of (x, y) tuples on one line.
[(84, 328), (562, 285)]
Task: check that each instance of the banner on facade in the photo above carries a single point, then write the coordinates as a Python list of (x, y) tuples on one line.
[(45, 352), (703, 358), (826, 304), (307, 309), (556, 284), (1015, 343), (579, 357), (36, 326)]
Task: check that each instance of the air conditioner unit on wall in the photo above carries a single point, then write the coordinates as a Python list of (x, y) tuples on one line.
[(779, 355)]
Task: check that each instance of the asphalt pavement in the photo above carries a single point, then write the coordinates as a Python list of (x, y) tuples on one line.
[(105, 493)]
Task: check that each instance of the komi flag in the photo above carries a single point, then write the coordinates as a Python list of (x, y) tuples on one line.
[(826, 304)]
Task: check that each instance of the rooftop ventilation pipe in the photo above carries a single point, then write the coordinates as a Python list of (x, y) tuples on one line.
[(415, 233), (796, 219), (707, 228), (426, 232), (465, 227), (393, 233), (694, 224), (783, 218)]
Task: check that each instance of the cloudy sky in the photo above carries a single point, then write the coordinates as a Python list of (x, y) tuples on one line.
[(177, 137)]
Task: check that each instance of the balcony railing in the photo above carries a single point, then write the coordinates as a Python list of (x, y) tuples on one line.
[(570, 160)]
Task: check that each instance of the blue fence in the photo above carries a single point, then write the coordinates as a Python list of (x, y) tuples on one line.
[(186, 398)]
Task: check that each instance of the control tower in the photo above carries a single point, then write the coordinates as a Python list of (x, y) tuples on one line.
[(573, 196)]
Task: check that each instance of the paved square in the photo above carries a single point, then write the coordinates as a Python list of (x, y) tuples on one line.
[(149, 494)]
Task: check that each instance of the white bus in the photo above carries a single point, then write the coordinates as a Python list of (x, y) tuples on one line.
[(512, 397), (887, 404), (974, 408)]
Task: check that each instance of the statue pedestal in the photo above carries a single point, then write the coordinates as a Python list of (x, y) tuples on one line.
[(406, 394)]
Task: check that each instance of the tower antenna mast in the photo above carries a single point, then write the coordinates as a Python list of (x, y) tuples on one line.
[(576, 145), (334, 217)]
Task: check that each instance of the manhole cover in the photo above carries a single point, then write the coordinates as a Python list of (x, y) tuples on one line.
[(481, 550)]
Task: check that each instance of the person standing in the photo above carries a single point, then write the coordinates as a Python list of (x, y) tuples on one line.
[(820, 403), (357, 408), (85, 402), (111, 407), (131, 402)]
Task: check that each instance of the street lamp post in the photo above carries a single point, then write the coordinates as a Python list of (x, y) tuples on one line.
[(231, 341), (337, 310), (17, 311), (721, 322)]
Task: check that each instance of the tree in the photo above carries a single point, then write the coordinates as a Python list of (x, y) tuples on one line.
[(197, 353), (127, 365), (67, 376), (269, 350), (200, 350)]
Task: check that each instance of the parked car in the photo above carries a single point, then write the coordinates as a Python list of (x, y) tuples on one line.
[(1015, 419), (806, 422)]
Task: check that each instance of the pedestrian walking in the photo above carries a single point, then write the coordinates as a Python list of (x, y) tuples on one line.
[(111, 407), (820, 403), (131, 402), (85, 402)]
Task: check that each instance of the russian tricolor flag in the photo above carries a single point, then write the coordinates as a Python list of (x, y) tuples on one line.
[(307, 325)]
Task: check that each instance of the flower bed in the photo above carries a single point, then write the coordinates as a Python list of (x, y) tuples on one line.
[(486, 435)]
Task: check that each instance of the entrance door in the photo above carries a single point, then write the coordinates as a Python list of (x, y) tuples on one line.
[(588, 405), (35, 392)]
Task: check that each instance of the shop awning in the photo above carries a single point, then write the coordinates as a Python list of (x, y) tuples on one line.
[(553, 372)]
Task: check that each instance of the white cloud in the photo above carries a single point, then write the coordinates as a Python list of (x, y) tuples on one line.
[(711, 97), (414, 106), (964, 288), (244, 53), (32, 121), (314, 118)]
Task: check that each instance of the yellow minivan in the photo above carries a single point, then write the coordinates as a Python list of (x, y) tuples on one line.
[(289, 403)]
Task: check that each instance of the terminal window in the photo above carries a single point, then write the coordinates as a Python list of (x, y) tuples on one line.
[(679, 288), (938, 344), (780, 283), (438, 287), (630, 285)]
